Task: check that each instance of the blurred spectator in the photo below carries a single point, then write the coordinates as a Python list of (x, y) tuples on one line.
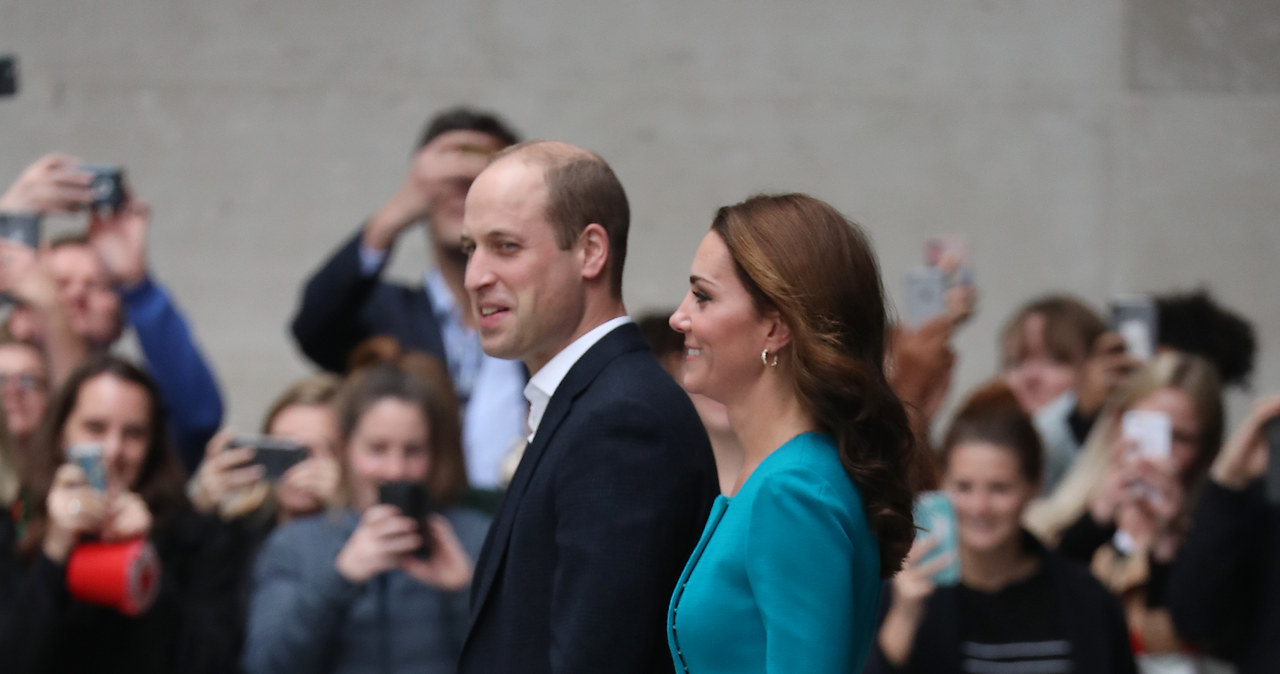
[(1224, 591), (103, 280), (1194, 323), (24, 392), (1062, 363), (1125, 511), (1018, 606), (667, 346), (346, 301), (191, 627), (341, 591), (230, 484)]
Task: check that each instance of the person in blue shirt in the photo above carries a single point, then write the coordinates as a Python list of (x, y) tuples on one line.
[(785, 324)]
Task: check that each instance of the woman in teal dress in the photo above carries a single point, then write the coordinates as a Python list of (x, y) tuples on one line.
[(785, 324)]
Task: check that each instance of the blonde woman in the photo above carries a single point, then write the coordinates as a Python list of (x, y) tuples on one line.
[(1125, 514)]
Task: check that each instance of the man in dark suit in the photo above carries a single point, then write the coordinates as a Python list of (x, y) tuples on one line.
[(614, 488), (346, 301)]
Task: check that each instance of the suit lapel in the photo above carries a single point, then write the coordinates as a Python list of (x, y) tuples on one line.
[(624, 339)]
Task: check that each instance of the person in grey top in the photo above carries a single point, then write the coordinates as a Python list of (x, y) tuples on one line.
[(342, 591)]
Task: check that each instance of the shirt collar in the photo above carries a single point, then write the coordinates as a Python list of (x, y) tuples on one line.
[(442, 302), (544, 383)]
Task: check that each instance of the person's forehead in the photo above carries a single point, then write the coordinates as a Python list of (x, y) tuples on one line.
[(75, 258), (510, 186)]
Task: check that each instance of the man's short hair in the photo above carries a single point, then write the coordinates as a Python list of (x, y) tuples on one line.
[(581, 189), (467, 119)]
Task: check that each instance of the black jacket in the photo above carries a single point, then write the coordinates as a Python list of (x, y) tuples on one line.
[(601, 516), (341, 308), (1090, 615), (192, 627), (1224, 589)]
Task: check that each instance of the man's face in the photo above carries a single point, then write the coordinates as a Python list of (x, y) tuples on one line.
[(86, 293), (445, 169), (527, 294)]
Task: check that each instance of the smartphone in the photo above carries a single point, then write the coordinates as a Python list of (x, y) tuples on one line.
[(1152, 432), (926, 295), (107, 185), (276, 455), (935, 517), (23, 228), (412, 500), (89, 457), (8, 75), (1135, 318), (1271, 431)]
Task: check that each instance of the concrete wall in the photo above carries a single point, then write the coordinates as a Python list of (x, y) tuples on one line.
[(1096, 146)]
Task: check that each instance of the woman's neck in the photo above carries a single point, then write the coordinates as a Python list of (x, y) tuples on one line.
[(765, 419), (995, 569)]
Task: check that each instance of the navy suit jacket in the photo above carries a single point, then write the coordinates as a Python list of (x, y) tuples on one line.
[(597, 524), (341, 308)]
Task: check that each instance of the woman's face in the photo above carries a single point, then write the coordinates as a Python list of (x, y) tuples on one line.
[(313, 426), (390, 443), (1036, 378), (1186, 423), (24, 385), (723, 333), (989, 493), (116, 414)]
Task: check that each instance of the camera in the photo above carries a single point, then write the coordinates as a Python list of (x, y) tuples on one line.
[(107, 185)]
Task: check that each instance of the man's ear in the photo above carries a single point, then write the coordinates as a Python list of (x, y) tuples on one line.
[(593, 251)]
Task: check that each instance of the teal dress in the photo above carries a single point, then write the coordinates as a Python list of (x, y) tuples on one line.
[(786, 577)]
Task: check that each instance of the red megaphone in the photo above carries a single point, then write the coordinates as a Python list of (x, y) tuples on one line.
[(124, 575)]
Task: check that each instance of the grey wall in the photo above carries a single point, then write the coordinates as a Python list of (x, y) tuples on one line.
[(1096, 146)]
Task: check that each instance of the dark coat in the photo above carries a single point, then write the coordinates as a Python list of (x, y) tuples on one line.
[(341, 308), (1224, 590), (606, 507)]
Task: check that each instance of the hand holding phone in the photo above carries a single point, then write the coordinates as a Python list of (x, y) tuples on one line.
[(936, 519), (276, 455), (88, 456), (1151, 433), (412, 501)]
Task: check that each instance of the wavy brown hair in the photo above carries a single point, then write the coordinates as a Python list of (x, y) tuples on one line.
[(161, 480), (800, 257)]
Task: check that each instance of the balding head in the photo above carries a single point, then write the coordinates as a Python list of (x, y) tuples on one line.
[(581, 190)]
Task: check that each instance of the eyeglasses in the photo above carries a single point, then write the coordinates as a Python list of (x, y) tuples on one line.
[(26, 383)]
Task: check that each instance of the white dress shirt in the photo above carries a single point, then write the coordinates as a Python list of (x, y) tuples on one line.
[(544, 383)]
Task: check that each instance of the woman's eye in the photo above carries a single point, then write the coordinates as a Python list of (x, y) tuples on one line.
[(700, 296)]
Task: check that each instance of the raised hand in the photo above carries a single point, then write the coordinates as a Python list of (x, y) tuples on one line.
[(448, 567), (120, 238), (381, 542), (52, 184)]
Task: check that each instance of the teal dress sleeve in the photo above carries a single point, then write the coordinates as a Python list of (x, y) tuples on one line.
[(813, 567)]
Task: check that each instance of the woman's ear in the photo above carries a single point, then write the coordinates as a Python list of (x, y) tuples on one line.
[(779, 332)]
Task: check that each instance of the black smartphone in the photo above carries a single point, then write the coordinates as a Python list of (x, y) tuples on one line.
[(275, 455), (23, 228), (1135, 318), (1271, 431), (412, 500), (107, 185), (8, 75)]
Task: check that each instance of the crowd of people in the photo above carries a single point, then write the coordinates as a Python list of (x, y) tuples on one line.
[(728, 486)]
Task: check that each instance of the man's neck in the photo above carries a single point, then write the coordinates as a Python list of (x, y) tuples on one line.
[(592, 319)]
